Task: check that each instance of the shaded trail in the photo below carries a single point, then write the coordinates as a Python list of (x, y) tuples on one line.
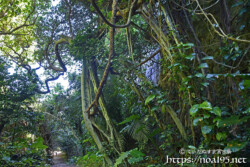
[(59, 161)]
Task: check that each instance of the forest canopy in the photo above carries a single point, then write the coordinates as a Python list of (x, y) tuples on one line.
[(148, 80)]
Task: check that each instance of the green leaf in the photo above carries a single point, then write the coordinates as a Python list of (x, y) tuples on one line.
[(197, 120), (123, 156), (237, 4), (192, 147), (206, 129), (149, 99), (211, 76), (216, 111), (86, 140), (206, 105), (188, 44), (199, 75), (206, 115), (236, 146), (205, 84), (6, 158), (242, 27), (208, 58), (246, 83), (216, 119), (193, 110), (244, 10), (203, 65), (221, 136), (136, 156), (162, 101), (155, 108), (136, 153), (235, 119), (247, 111), (190, 57), (134, 160), (129, 119)]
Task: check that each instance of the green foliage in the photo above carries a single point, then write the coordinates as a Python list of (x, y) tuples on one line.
[(221, 136), (89, 160), (206, 129), (149, 98), (18, 119), (38, 144), (63, 121), (84, 44), (236, 145), (213, 124), (206, 106), (234, 119), (133, 156), (122, 157), (194, 109), (92, 157), (23, 153), (129, 119)]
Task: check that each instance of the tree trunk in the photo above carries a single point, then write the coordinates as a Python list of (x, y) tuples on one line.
[(84, 88)]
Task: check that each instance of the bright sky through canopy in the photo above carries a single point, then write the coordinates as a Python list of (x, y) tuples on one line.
[(62, 79), (55, 2)]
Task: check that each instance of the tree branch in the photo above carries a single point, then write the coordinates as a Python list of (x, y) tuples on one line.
[(47, 85), (149, 58), (58, 57), (110, 24), (221, 33), (111, 53), (24, 24)]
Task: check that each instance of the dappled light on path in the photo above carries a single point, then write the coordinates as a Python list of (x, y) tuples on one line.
[(59, 160)]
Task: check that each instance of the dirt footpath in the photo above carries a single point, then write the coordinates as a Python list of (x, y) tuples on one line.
[(59, 161)]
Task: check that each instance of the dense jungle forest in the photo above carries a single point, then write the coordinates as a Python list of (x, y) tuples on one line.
[(124, 83)]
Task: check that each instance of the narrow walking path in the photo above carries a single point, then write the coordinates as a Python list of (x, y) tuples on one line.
[(59, 161)]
